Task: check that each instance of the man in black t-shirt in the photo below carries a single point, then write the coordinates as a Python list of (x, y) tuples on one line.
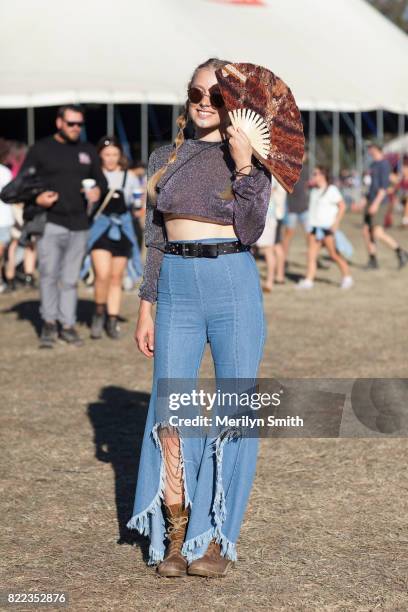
[(63, 162), (380, 170)]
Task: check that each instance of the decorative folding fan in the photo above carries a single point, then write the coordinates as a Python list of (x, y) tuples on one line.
[(263, 106)]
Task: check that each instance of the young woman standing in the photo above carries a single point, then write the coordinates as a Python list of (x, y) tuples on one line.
[(207, 203), (112, 239)]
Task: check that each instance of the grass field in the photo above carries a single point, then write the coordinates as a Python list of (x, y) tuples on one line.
[(327, 523)]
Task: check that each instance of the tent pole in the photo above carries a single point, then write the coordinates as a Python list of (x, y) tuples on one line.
[(110, 120), (312, 141), (359, 143), (401, 132), (144, 133), (380, 125), (336, 145), (401, 125), (30, 126)]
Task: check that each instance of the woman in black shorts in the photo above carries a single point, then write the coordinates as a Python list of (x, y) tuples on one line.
[(112, 238)]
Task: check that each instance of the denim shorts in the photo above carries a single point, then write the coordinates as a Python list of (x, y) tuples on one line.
[(291, 219), (321, 232), (5, 235)]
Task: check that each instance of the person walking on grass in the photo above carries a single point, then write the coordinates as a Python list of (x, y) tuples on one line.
[(326, 209), (297, 204), (112, 239), (270, 241), (373, 229), (63, 162)]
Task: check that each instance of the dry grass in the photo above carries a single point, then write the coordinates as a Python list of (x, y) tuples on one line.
[(326, 528)]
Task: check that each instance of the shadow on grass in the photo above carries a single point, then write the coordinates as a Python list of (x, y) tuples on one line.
[(29, 310), (118, 419)]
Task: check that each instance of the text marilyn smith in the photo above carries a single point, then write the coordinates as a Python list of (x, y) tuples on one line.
[(244, 421)]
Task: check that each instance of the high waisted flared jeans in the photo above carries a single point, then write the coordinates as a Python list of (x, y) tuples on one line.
[(216, 300)]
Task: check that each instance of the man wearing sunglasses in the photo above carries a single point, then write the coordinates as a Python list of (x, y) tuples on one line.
[(63, 162)]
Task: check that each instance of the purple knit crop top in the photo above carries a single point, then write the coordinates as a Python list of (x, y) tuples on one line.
[(194, 184)]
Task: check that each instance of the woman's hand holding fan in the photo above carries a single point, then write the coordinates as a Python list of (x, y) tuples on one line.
[(240, 148), (263, 106)]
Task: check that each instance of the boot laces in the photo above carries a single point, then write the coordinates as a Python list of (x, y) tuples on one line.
[(175, 533), (176, 524)]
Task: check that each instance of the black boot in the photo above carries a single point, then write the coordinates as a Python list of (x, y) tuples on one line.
[(71, 336), (10, 285), (49, 334), (372, 263), (402, 257), (98, 321), (29, 282), (112, 327)]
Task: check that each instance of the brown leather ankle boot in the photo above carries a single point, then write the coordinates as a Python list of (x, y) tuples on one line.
[(174, 564), (211, 565)]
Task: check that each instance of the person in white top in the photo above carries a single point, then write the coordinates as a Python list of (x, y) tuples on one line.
[(326, 210), (270, 242), (6, 217), (110, 253)]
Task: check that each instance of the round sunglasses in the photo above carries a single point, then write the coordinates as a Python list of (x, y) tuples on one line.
[(195, 95)]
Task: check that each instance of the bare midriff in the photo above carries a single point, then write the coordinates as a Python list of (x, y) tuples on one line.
[(190, 227)]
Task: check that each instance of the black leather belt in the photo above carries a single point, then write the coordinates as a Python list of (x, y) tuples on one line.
[(205, 249)]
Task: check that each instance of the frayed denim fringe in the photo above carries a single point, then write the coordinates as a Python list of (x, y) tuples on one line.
[(228, 549), (140, 522), (219, 508)]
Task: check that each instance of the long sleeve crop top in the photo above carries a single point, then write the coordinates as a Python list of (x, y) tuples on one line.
[(194, 184)]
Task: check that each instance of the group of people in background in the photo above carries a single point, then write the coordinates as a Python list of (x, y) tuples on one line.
[(318, 206), (94, 223), (94, 205)]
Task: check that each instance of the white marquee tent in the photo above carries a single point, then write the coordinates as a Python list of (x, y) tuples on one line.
[(338, 55)]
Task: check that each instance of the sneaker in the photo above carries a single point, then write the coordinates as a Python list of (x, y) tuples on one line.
[(49, 335), (70, 336), (98, 322), (113, 328), (402, 258), (347, 282), (305, 283)]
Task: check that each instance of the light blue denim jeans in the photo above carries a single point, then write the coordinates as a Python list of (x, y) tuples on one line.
[(291, 219), (216, 300)]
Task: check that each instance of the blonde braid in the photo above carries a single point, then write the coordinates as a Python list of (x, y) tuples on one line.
[(178, 141)]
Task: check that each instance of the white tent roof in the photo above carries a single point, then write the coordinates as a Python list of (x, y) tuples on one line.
[(333, 54), (397, 145)]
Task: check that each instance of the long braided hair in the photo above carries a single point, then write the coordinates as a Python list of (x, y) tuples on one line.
[(181, 121)]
